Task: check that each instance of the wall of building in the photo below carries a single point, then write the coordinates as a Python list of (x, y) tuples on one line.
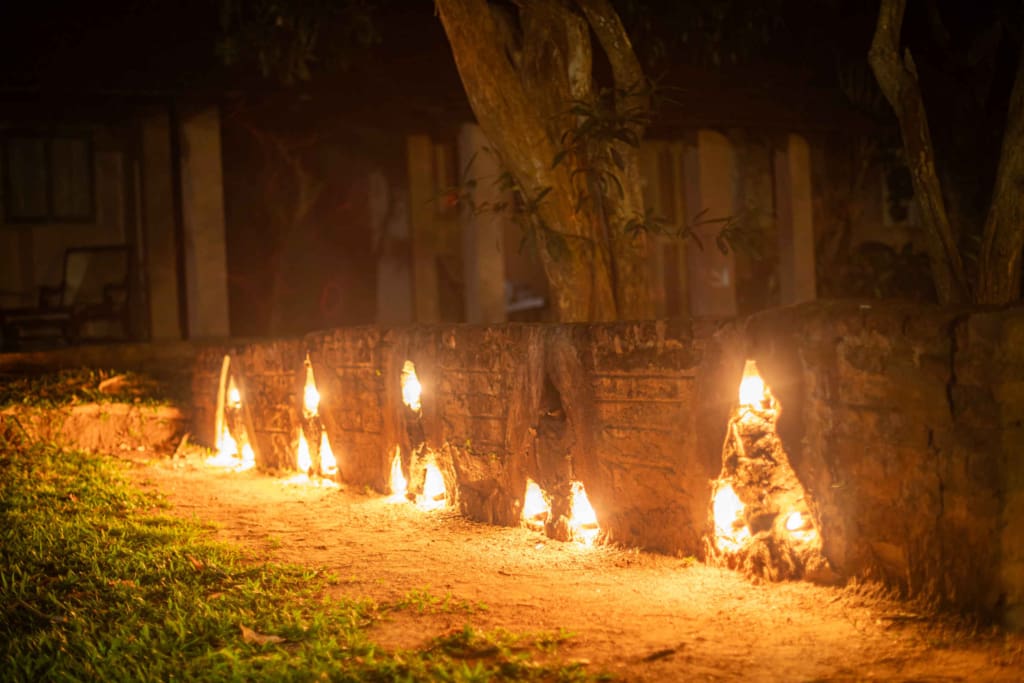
[(32, 253), (903, 424)]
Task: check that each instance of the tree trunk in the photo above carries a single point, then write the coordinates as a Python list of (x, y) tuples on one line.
[(1003, 239), (898, 80), (521, 91)]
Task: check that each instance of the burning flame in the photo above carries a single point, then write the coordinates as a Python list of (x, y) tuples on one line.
[(536, 508), (399, 486), (328, 463), (730, 529), (227, 446), (752, 389), (303, 458), (234, 395), (434, 493), (411, 388), (582, 519), (229, 454), (310, 395), (795, 521)]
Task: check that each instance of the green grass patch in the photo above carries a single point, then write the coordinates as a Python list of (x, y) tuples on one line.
[(98, 583), (84, 385)]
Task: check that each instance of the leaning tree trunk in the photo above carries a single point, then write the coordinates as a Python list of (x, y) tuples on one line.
[(1003, 239), (522, 79), (897, 78)]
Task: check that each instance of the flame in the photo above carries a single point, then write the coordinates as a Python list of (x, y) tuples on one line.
[(535, 505), (434, 493), (248, 458), (399, 486), (310, 395), (234, 395), (227, 447), (411, 388), (303, 458), (730, 529), (795, 521), (582, 519), (328, 463), (230, 456), (752, 389)]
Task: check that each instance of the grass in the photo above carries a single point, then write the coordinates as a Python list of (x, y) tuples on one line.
[(84, 385), (97, 582)]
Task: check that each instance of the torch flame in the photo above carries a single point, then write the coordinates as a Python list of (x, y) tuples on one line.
[(303, 458), (583, 519), (234, 395), (399, 486), (328, 463), (730, 529), (248, 458), (752, 389), (433, 488), (310, 395), (535, 506), (795, 521), (411, 388)]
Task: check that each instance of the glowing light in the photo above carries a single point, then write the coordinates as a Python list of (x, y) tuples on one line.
[(536, 508), (730, 529), (795, 521), (411, 388), (248, 458), (234, 395), (582, 519), (752, 389), (227, 447), (399, 486), (328, 463), (303, 458), (310, 395), (434, 493), (230, 456)]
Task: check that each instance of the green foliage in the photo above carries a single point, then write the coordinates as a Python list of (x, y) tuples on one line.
[(287, 39), (96, 583), (84, 385)]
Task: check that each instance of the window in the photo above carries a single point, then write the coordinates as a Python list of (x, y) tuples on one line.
[(48, 178)]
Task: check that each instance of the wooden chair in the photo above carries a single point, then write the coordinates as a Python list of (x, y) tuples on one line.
[(91, 303)]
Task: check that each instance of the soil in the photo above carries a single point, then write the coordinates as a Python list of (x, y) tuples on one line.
[(635, 615)]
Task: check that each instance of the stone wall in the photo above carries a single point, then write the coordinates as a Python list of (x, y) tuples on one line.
[(903, 424)]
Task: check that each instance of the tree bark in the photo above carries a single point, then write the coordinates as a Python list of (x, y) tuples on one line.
[(1003, 238), (628, 248), (898, 80), (522, 96)]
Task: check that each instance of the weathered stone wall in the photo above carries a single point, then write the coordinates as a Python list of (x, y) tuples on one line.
[(903, 424)]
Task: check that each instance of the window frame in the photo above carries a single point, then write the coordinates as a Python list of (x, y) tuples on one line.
[(52, 213)]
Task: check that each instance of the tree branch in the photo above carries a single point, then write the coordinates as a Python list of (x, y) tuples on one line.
[(626, 70), (898, 81)]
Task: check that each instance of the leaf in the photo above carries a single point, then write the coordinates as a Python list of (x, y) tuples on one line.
[(196, 564), (250, 636)]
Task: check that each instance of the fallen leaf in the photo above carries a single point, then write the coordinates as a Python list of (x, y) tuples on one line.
[(196, 564), (250, 636)]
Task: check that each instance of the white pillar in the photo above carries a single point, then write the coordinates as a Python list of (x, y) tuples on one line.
[(202, 189)]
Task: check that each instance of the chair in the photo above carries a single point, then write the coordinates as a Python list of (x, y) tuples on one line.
[(89, 304)]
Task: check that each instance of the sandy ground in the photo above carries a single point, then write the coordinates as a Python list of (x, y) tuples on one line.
[(637, 616)]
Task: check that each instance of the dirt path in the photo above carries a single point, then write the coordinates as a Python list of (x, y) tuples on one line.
[(636, 615)]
